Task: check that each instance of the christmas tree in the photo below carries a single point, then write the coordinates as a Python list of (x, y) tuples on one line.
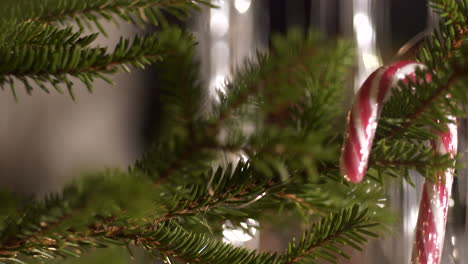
[(174, 201)]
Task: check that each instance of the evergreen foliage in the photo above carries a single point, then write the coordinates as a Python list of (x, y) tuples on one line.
[(180, 198)]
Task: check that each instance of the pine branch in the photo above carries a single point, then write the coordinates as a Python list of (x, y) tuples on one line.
[(48, 227), (50, 223), (427, 104), (396, 157), (180, 244), (288, 151), (40, 35), (87, 12), (56, 64), (277, 80), (405, 153), (453, 29), (227, 188), (75, 209), (348, 227), (291, 104), (289, 64), (177, 159)]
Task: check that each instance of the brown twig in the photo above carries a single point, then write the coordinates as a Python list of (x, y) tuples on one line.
[(15, 242), (292, 197)]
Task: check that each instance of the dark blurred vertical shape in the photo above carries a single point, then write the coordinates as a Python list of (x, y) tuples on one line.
[(297, 13), (457, 234), (278, 21), (407, 19), (382, 14), (325, 16), (150, 104), (285, 15)]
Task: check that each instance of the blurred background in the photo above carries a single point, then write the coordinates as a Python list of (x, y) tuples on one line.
[(46, 140)]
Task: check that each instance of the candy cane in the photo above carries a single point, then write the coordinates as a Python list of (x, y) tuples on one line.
[(362, 124), (432, 218), (362, 120)]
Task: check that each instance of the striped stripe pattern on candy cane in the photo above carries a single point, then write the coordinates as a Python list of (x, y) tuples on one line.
[(432, 218), (364, 115)]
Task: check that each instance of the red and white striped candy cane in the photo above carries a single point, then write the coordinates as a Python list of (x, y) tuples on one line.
[(363, 117), (432, 218), (362, 124)]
